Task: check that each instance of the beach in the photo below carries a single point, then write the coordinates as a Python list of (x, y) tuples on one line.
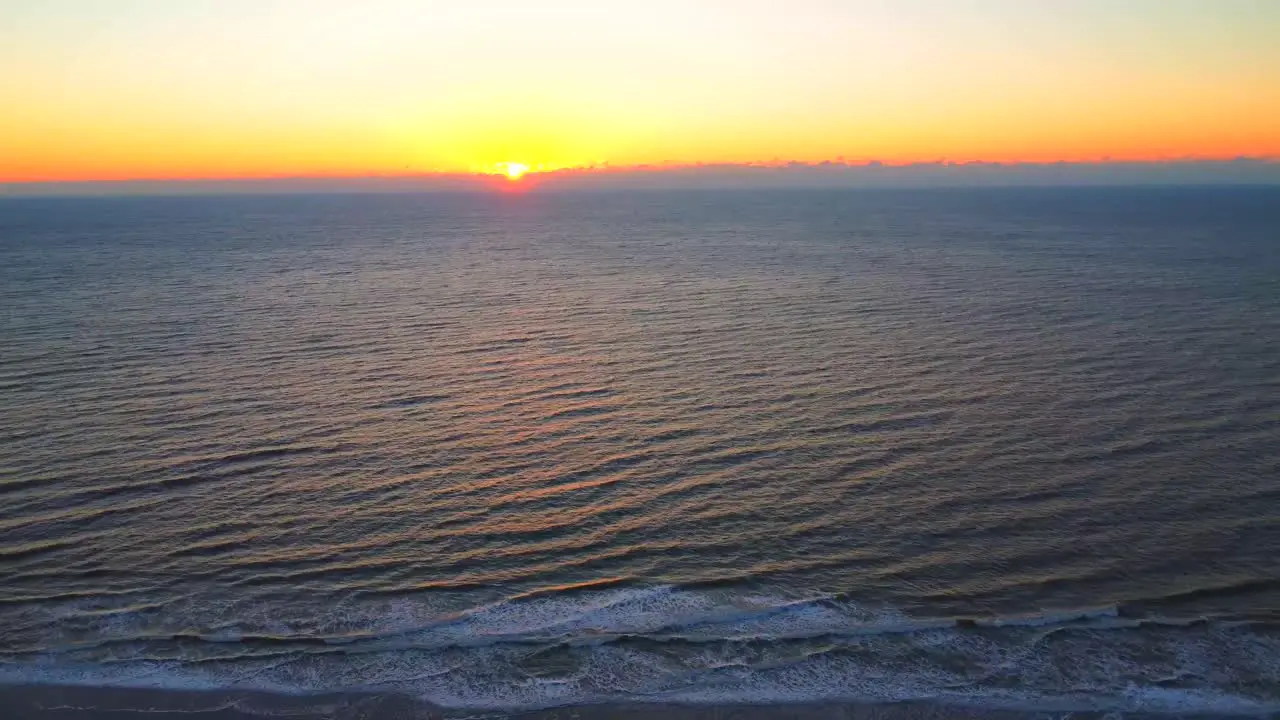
[(67, 703)]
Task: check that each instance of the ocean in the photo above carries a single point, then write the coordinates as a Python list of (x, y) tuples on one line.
[(999, 448)]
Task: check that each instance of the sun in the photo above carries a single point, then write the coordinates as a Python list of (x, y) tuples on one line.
[(514, 170)]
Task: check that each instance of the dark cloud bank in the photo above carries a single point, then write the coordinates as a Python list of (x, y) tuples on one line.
[(1243, 171)]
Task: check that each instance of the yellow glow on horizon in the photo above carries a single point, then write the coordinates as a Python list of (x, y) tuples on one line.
[(514, 170)]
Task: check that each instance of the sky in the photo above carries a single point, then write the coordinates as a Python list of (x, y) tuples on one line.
[(94, 90)]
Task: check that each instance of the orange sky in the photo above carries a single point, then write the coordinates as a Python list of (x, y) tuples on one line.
[(132, 89)]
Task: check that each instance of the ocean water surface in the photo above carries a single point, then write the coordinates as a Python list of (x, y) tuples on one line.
[(1015, 448)]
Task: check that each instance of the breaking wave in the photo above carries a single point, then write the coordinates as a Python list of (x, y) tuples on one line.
[(665, 643)]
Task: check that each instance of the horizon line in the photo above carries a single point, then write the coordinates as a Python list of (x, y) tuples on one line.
[(834, 174), (607, 168)]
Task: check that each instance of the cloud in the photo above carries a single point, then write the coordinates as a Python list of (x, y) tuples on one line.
[(934, 174)]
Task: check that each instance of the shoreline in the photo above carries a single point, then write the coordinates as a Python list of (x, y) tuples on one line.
[(58, 702)]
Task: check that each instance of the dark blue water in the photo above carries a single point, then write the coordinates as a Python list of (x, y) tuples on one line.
[(1016, 448)]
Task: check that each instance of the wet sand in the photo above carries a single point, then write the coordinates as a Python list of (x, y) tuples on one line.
[(30, 702)]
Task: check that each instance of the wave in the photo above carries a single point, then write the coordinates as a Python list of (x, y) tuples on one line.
[(1226, 590), (610, 641)]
